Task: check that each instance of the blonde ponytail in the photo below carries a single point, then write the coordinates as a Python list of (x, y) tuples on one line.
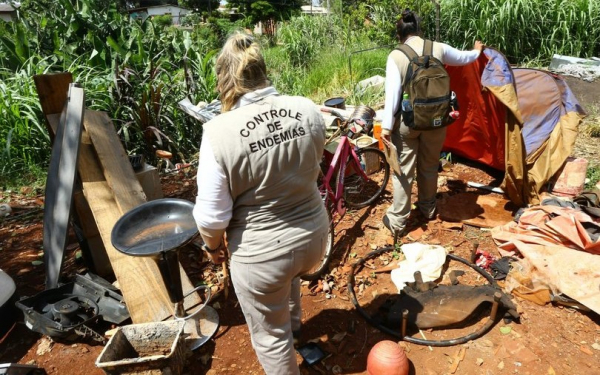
[(240, 69)]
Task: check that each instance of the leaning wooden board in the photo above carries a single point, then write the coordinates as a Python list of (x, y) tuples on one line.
[(139, 278), (52, 91)]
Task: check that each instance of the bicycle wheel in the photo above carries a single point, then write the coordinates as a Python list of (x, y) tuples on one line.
[(359, 192), (321, 266)]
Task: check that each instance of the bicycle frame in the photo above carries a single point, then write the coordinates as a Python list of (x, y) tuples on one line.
[(344, 151)]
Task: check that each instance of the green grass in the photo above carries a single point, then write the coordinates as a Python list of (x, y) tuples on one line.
[(592, 176), (329, 74), (591, 124)]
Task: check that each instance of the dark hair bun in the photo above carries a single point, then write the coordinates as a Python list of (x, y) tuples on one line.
[(408, 16)]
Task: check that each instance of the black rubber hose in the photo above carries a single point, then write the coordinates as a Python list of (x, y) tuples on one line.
[(461, 340)]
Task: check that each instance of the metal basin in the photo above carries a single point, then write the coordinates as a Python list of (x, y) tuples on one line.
[(155, 227)]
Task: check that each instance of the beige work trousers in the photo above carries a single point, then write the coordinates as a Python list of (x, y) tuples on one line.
[(420, 150), (269, 295)]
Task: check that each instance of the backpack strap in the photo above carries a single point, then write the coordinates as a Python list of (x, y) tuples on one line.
[(428, 48), (411, 55), (408, 51), (427, 52)]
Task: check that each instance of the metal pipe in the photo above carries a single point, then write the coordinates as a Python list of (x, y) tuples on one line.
[(404, 321), (179, 309)]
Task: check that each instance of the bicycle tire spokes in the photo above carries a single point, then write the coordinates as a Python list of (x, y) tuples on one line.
[(369, 180)]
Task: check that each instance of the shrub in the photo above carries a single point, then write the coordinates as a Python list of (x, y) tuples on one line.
[(191, 19), (164, 20)]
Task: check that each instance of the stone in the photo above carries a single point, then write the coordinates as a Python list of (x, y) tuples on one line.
[(45, 346)]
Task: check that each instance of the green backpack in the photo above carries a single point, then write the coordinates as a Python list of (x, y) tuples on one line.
[(427, 84)]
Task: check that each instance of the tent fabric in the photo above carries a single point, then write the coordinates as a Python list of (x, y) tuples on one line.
[(521, 121), (541, 106), (479, 132), (554, 240), (564, 117)]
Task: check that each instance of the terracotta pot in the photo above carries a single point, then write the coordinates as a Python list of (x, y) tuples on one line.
[(387, 358)]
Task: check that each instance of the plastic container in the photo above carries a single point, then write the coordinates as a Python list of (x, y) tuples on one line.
[(371, 162), (338, 102), (365, 141), (406, 106), (377, 132), (8, 297), (147, 348)]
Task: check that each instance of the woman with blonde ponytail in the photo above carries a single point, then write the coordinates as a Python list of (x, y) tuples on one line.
[(259, 162)]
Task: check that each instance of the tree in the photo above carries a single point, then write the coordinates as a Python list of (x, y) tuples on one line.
[(266, 10), (150, 3), (201, 6)]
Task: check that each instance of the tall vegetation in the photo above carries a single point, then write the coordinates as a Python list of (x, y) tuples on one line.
[(138, 71), (525, 30), (266, 10)]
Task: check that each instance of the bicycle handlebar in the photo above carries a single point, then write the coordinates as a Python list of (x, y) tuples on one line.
[(344, 121)]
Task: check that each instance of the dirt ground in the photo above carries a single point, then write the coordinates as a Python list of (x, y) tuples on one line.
[(548, 339)]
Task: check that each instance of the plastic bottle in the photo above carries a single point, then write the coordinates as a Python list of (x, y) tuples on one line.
[(377, 132), (406, 106), (455, 114)]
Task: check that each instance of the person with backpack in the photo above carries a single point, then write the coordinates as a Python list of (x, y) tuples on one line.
[(418, 107)]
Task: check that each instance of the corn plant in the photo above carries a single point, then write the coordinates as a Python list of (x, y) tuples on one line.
[(24, 140), (525, 29)]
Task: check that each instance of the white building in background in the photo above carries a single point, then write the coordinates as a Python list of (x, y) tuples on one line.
[(314, 10), (160, 10), (8, 11)]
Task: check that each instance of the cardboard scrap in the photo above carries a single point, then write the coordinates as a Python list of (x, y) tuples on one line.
[(483, 211)]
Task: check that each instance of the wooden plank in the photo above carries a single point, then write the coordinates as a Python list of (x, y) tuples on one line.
[(115, 163), (60, 185), (52, 90), (139, 278), (148, 177)]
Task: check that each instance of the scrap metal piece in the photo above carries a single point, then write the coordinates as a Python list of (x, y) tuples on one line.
[(61, 182), (454, 274), (442, 306)]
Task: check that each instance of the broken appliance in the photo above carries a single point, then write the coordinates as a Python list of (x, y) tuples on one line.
[(429, 305), (69, 311)]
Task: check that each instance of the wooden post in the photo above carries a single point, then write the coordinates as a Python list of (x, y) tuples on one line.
[(437, 20)]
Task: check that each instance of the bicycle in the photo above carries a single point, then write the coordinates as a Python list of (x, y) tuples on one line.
[(354, 177)]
